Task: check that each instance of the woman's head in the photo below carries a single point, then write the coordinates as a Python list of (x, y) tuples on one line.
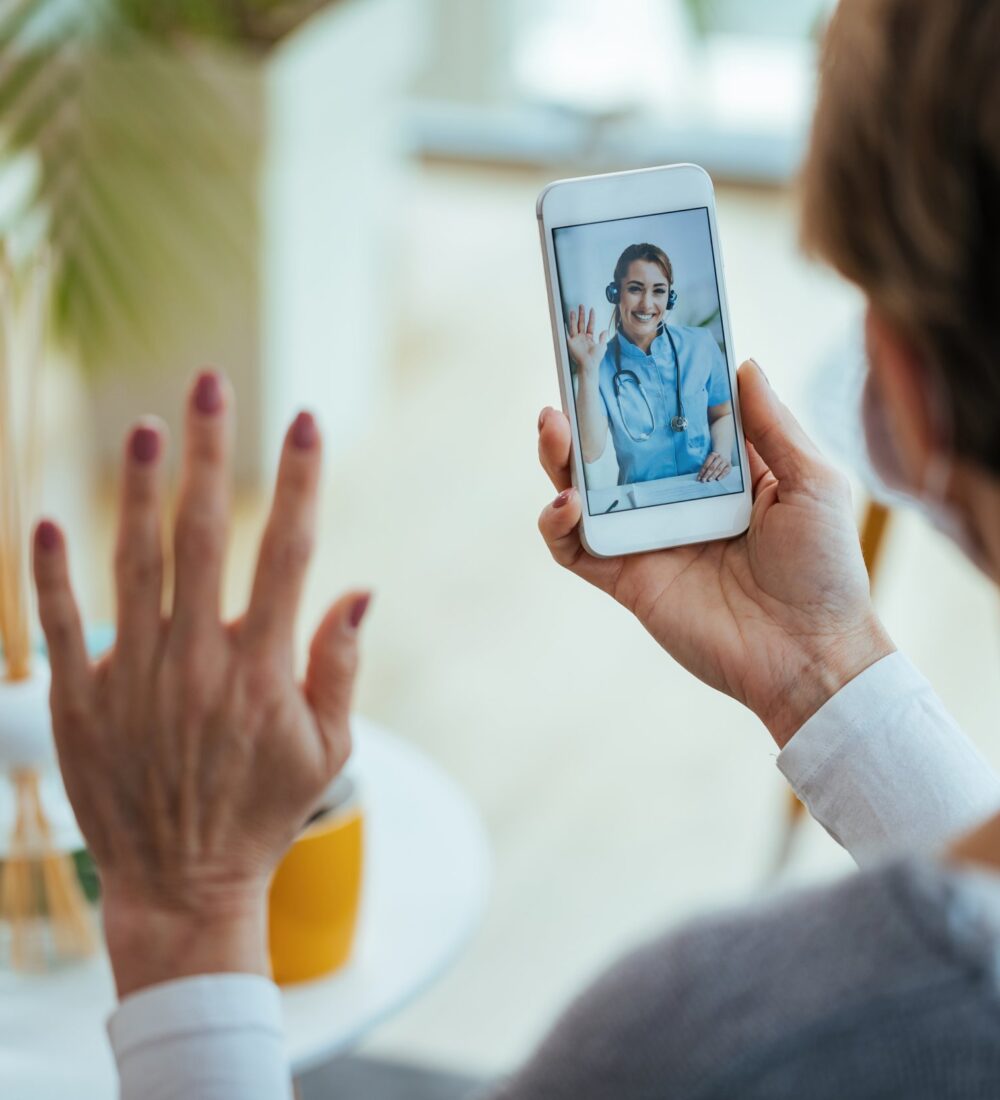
[(644, 277), (902, 195)]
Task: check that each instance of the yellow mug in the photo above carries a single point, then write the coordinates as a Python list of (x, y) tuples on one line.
[(316, 890)]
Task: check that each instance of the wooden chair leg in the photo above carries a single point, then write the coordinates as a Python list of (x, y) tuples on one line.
[(873, 531), (795, 811)]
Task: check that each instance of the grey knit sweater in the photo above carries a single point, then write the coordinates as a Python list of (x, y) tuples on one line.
[(881, 986)]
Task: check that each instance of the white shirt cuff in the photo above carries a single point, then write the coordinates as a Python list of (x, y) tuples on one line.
[(885, 769), (210, 1037)]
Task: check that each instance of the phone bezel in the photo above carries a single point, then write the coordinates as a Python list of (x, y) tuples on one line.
[(586, 199)]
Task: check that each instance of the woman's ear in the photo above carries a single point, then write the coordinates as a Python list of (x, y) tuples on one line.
[(907, 392)]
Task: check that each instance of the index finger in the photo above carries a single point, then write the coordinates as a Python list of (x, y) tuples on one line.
[(287, 544)]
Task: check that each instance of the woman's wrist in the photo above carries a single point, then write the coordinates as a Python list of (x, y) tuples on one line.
[(150, 942), (820, 676)]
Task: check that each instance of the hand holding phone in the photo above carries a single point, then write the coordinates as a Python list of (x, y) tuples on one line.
[(640, 326), (779, 618)]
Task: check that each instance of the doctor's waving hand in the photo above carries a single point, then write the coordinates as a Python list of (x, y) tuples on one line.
[(660, 391)]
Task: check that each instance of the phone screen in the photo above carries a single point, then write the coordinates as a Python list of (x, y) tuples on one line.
[(644, 331)]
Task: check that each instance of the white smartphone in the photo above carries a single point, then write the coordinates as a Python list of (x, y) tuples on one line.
[(643, 345)]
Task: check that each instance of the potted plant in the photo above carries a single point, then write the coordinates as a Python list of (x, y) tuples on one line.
[(214, 181)]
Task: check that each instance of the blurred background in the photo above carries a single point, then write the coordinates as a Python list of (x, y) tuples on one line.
[(334, 203)]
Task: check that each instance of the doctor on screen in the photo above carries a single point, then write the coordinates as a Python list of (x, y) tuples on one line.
[(661, 391)]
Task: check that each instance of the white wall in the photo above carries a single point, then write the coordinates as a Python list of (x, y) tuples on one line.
[(333, 199)]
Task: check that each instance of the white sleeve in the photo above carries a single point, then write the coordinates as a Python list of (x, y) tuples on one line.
[(211, 1037), (883, 767)]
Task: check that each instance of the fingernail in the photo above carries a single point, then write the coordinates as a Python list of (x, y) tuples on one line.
[(562, 499), (208, 393), (145, 444), (761, 369), (358, 610), (304, 431), (541, 417), (47, 535)]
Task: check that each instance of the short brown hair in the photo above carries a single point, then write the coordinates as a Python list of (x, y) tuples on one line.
[(901, 187), (653, 254)]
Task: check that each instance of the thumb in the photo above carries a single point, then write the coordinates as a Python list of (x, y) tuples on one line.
[(333, 661), (772, 430)]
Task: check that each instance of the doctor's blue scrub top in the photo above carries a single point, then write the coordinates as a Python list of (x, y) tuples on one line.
[(704, 382)]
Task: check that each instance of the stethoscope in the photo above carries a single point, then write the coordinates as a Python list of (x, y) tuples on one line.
[(679, 422)]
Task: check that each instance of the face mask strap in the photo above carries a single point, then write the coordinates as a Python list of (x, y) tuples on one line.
[(937, 478), (931, 496), (942, 416), (940, 465)]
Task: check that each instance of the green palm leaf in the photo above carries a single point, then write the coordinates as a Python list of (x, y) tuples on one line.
[(142, 144)]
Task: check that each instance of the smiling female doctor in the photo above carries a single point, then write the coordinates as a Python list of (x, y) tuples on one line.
[(661, 391)]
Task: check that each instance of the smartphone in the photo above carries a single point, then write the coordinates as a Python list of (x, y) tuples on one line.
[(643, 346)]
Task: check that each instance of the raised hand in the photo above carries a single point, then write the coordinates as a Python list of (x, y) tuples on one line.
[(190, 752), (779, 618), (585, 349)]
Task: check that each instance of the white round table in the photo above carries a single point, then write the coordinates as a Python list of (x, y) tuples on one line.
[(427, 872)]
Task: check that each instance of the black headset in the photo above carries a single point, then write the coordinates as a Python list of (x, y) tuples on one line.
[(614, 295)]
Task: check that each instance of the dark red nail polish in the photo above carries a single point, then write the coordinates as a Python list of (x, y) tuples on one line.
[(562, 499), (47, 535), (358, 610), (145, 444), (208, 393), (304, 431)]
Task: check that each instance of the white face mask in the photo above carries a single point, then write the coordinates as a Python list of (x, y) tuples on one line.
[(932, 497)]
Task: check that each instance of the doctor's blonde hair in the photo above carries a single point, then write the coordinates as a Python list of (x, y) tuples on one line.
[(901, 187), (652, 253)]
